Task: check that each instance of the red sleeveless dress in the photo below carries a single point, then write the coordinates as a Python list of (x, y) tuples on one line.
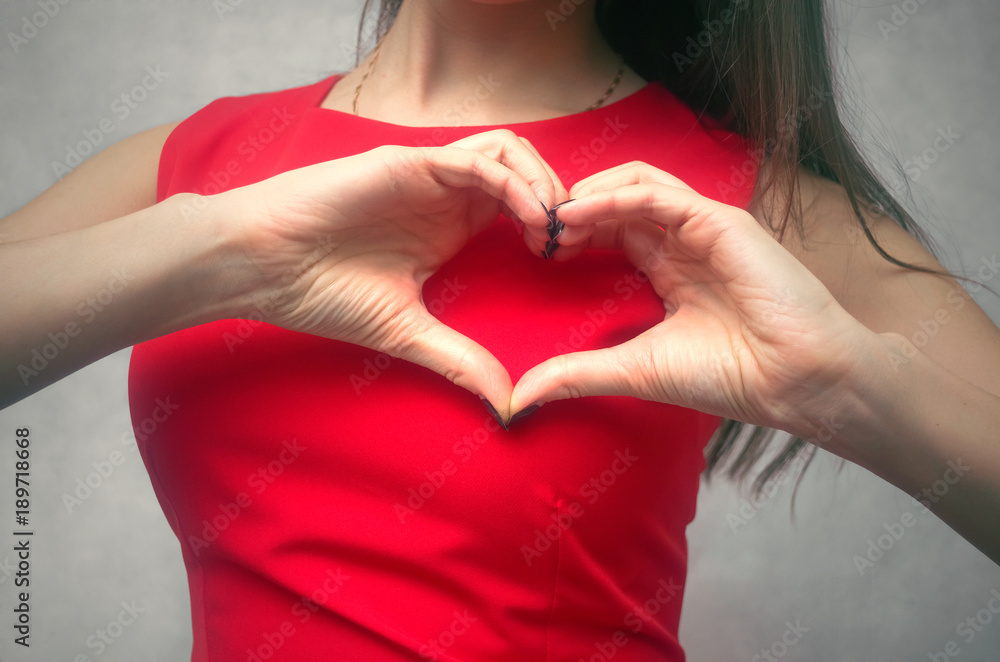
[(333, 503)]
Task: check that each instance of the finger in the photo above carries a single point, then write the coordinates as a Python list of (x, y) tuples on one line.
[(458, 358), (560, 192), (626, 174), (536, 244), (642, 243), (518, 154), (667, 206), (619, 370), (610, 234), (728, 240), (603, 235), (457, 167), (537, 236)]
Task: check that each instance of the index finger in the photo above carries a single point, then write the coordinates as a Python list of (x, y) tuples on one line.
[(519, 155), (626, 174)]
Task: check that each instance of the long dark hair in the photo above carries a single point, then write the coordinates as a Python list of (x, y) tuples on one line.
[(762, 67)]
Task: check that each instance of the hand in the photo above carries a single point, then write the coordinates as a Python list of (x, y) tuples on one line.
[(749, 332), (344, 247)]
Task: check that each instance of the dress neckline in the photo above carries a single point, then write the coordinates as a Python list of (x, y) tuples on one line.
[(619, 105)]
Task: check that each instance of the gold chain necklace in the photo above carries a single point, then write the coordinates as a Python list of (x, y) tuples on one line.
[(596, 104)]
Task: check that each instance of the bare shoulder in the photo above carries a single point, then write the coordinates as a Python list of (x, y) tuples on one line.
[(115, 182), (835, 248), (934, 312)]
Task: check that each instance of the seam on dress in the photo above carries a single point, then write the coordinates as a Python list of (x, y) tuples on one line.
[(196, 592), (555, 583)]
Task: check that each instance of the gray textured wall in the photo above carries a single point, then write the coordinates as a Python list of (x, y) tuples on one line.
[(938, 70)]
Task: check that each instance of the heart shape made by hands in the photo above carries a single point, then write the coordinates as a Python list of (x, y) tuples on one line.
[(524, 310)]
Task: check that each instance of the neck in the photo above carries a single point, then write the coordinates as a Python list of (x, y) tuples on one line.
[(463, 62)]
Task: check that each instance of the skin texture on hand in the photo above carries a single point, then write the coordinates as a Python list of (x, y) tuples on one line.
[(749, 333), (344, 247)]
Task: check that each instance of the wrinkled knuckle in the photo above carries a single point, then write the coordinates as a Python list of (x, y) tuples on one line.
[(504, 134), (564, 378), (634, 369), (478, 169), (497, 139), (650, 199), (464, 365), (572, 390)]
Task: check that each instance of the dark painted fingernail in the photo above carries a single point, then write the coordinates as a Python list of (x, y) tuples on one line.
[(550, 248), (493, 410), (524, 413), (554, 228)]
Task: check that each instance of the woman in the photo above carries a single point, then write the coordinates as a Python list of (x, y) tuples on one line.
[(416, 192)]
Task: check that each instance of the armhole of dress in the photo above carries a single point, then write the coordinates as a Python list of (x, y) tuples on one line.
[(165, 165)]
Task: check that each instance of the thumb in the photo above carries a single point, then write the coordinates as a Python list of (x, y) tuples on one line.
[(460, 359), (619, 370)]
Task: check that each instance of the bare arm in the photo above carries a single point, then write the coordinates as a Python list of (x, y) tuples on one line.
[(799, 337), (932, 434), (117, 181), (77, 296), (338, 249), (94, 265), (928, 419)]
